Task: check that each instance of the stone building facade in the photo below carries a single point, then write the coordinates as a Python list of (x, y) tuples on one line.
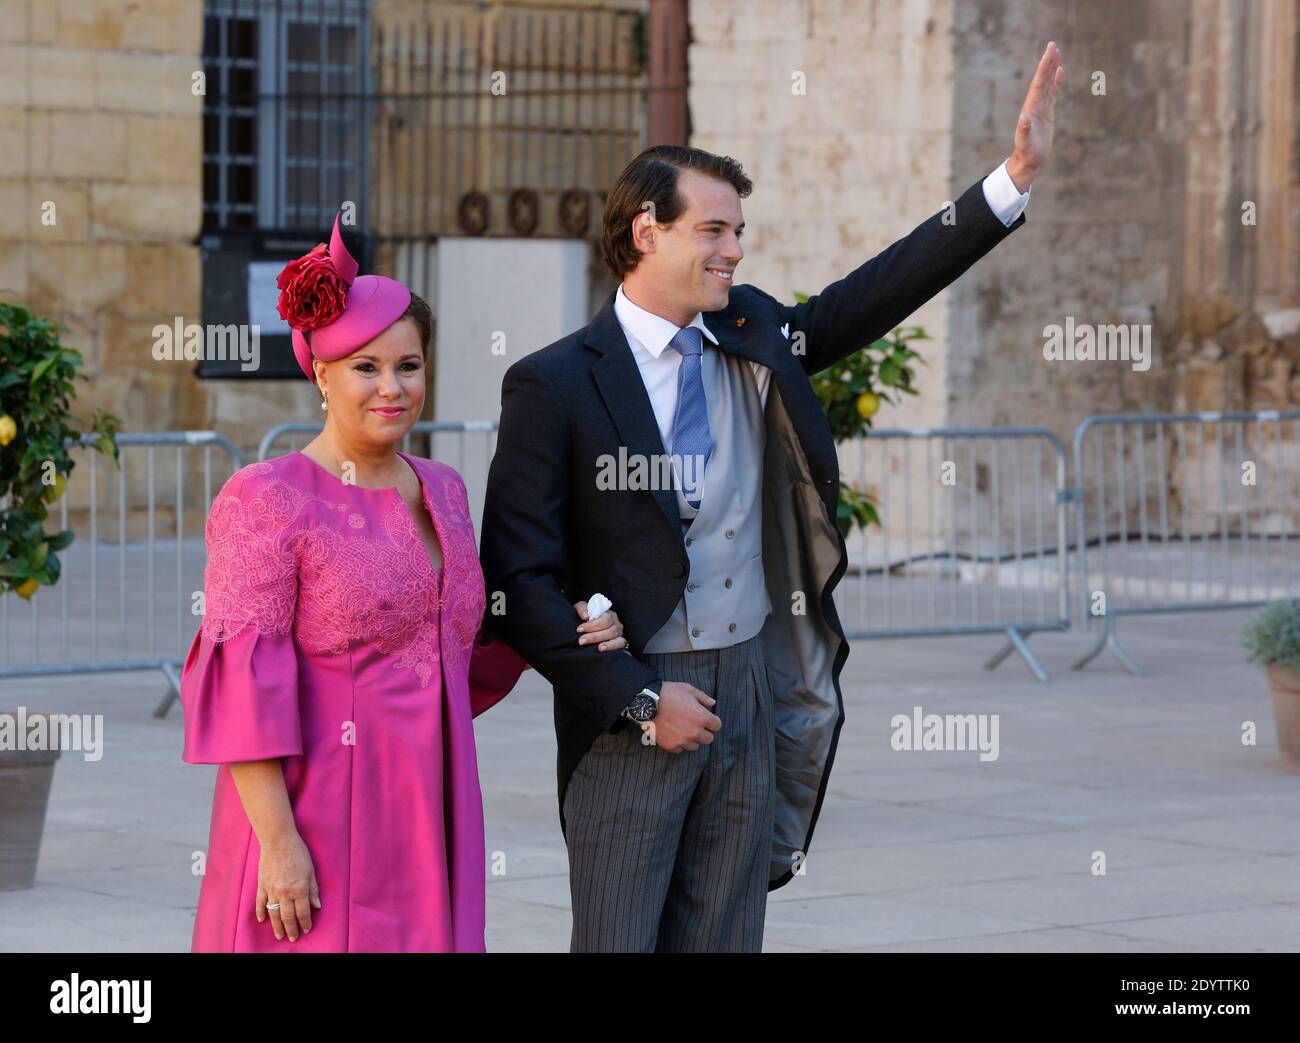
[(1141, 218), (1172, 200)]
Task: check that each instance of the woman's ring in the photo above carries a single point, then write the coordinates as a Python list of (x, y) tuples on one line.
[(273, 905)]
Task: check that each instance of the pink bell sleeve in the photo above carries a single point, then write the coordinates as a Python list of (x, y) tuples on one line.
[(239, 684), (494, 669)]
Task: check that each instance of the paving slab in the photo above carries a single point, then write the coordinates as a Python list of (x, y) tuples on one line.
[(915, 850)]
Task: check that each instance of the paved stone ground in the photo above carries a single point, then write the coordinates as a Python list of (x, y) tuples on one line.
[(914, 850)]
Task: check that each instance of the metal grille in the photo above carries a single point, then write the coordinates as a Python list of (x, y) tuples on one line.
[(433, 118), (230, 46), (285, 113), (512, 120)]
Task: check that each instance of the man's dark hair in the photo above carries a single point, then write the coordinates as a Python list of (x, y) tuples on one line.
[(652, 178)]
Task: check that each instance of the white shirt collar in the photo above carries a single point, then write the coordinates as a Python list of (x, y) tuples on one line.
[(653, 331)]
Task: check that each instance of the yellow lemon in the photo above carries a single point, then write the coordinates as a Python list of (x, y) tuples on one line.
[(53, 492), (868, 403), (7, 429), (27, 588)]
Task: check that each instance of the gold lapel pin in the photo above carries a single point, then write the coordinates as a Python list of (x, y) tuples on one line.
[(740, 321)]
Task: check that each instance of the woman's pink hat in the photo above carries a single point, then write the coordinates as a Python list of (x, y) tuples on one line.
[(331, 311)]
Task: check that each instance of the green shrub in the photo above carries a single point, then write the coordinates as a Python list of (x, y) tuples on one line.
[(37, 376), (1273, 636)]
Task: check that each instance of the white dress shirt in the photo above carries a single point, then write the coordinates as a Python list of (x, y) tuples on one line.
[(648, 334)]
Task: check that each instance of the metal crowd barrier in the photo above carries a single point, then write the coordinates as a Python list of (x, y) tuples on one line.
[(972, 536), (445, 428), (467, 445), (1173, 513), (1184, 512), (121, 577)]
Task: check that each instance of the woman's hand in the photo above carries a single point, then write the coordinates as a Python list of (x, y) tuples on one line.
[(605, 629), (285, 874)]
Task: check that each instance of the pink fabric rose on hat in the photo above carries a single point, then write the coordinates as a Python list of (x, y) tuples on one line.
[(312, 293)]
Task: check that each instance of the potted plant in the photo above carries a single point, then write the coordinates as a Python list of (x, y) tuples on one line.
[(37, 383), (1273, 639), (25, 779)]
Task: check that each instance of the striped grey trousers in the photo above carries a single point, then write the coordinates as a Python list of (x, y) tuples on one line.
[(669, 852)]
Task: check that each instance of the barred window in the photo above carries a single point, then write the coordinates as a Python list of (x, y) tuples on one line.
[(285, 113)]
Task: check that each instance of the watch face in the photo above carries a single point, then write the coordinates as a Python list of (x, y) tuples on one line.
[(642, 708)]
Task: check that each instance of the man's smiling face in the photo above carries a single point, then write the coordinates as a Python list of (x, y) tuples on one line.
[(689, 266)]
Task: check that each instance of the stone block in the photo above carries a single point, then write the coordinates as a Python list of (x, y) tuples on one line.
[(168, 26), (87, 145), (91, 23), (147, 83), (62, 78), (144, 212), (163, 279), (80, 278), (165, 149)]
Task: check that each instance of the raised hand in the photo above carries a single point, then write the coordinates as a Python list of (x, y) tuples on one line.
[(1037, 120)]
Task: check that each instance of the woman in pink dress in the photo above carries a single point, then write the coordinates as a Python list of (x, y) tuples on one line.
[(341, 658)]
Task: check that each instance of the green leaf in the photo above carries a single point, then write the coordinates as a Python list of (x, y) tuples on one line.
[(43, 366)]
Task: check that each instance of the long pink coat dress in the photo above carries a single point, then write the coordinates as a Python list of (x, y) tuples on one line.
[(329, 640)]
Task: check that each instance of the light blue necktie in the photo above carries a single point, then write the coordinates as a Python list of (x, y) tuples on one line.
[(691, 438)]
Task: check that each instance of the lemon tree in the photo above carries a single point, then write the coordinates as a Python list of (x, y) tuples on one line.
[(851, 393), (37, 385)]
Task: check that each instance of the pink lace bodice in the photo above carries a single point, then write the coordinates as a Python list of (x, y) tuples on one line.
[(344, 568)]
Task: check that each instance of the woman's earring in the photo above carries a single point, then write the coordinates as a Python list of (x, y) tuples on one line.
[(323, 404)]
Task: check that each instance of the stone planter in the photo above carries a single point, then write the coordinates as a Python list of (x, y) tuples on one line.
[(25, 778), (1284, 683)]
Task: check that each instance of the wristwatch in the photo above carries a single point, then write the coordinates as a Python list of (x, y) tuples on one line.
[(643, 707)]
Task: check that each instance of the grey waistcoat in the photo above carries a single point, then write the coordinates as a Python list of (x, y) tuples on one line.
[(725, 600)]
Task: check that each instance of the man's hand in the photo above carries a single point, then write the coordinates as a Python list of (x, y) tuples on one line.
[(682, 721), (1037, 120)]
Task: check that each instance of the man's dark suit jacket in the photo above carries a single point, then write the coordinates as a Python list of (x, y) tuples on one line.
[(552, 537)]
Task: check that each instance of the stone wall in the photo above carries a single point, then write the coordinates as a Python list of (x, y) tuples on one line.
[(1138, 220), (101, 174), (841, 113), (97, 118)]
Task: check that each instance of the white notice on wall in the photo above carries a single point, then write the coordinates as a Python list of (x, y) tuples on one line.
[(262, 295)]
